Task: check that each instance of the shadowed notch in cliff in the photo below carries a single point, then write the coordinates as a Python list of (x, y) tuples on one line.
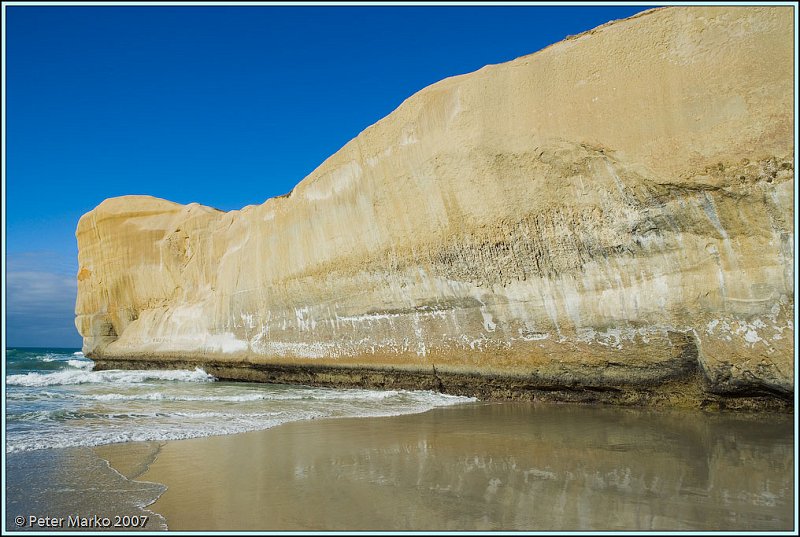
[(439, 384), (721, 381), (687, 362), (756, 388)]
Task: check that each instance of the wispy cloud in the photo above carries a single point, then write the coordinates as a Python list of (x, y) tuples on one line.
[(40, 300)]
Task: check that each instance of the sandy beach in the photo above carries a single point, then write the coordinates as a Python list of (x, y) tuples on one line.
[(480, 466)]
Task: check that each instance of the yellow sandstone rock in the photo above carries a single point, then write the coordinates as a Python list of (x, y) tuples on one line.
[(614, 211)]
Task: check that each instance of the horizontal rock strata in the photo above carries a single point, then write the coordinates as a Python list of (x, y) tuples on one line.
[(610, 215)]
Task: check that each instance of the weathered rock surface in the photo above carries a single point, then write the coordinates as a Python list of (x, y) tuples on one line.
[(612, 214)]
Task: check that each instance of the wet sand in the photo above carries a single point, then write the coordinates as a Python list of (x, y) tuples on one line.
[(493, 466)]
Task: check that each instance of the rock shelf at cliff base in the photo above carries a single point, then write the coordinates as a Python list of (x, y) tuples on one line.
[(608, 219)]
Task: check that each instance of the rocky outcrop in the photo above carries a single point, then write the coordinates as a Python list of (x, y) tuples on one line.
[(610, 215)]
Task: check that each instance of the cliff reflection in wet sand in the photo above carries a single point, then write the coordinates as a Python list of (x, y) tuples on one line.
[(489, 466)]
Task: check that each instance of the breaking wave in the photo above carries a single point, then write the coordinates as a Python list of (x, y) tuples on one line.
[(83, 375)]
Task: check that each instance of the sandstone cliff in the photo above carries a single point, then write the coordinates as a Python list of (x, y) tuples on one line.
[(610, 215)]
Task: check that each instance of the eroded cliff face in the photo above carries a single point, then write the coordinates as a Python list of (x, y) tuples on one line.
[(613, 211)]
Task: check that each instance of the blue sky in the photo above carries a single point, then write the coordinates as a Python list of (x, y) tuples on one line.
[(221, 105)]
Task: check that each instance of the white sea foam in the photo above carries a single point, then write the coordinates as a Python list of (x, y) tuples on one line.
[(60, 439), (329, 394), (160, 396), (79, 353), (115, 420), (150, 427), (82, 376), (158, 426), (81, 364), (435, 399), (54, 357)]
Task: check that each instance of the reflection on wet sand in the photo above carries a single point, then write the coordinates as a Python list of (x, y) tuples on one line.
[(488, 467)]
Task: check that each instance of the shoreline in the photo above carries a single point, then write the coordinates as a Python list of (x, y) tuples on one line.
[(685, 388), (76, 489), (479, 466)]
